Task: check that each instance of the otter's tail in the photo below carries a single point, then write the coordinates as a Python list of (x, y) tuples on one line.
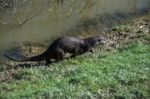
[(34, 58)]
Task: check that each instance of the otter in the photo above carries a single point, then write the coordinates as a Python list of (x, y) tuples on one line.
[(66, 44)]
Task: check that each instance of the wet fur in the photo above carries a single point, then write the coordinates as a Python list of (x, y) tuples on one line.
[(63, 45)]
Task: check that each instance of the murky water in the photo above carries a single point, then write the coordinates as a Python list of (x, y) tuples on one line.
[(39, 20)]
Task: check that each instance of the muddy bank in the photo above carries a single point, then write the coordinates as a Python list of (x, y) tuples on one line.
[(118, 30), (37, 21)]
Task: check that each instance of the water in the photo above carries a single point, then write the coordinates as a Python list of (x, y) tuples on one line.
[(39, 20)]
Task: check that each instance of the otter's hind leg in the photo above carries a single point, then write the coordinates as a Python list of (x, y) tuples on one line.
[(60, 54), (48, 62)]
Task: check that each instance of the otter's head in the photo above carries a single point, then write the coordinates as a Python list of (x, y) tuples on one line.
[(97, 40)]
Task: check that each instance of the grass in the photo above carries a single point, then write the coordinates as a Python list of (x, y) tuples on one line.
[(124, 73), (118, 71)]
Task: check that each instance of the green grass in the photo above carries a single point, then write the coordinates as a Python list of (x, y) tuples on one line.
[(119, 74)]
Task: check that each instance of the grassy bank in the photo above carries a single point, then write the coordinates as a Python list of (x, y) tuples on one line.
[(121, 72)]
